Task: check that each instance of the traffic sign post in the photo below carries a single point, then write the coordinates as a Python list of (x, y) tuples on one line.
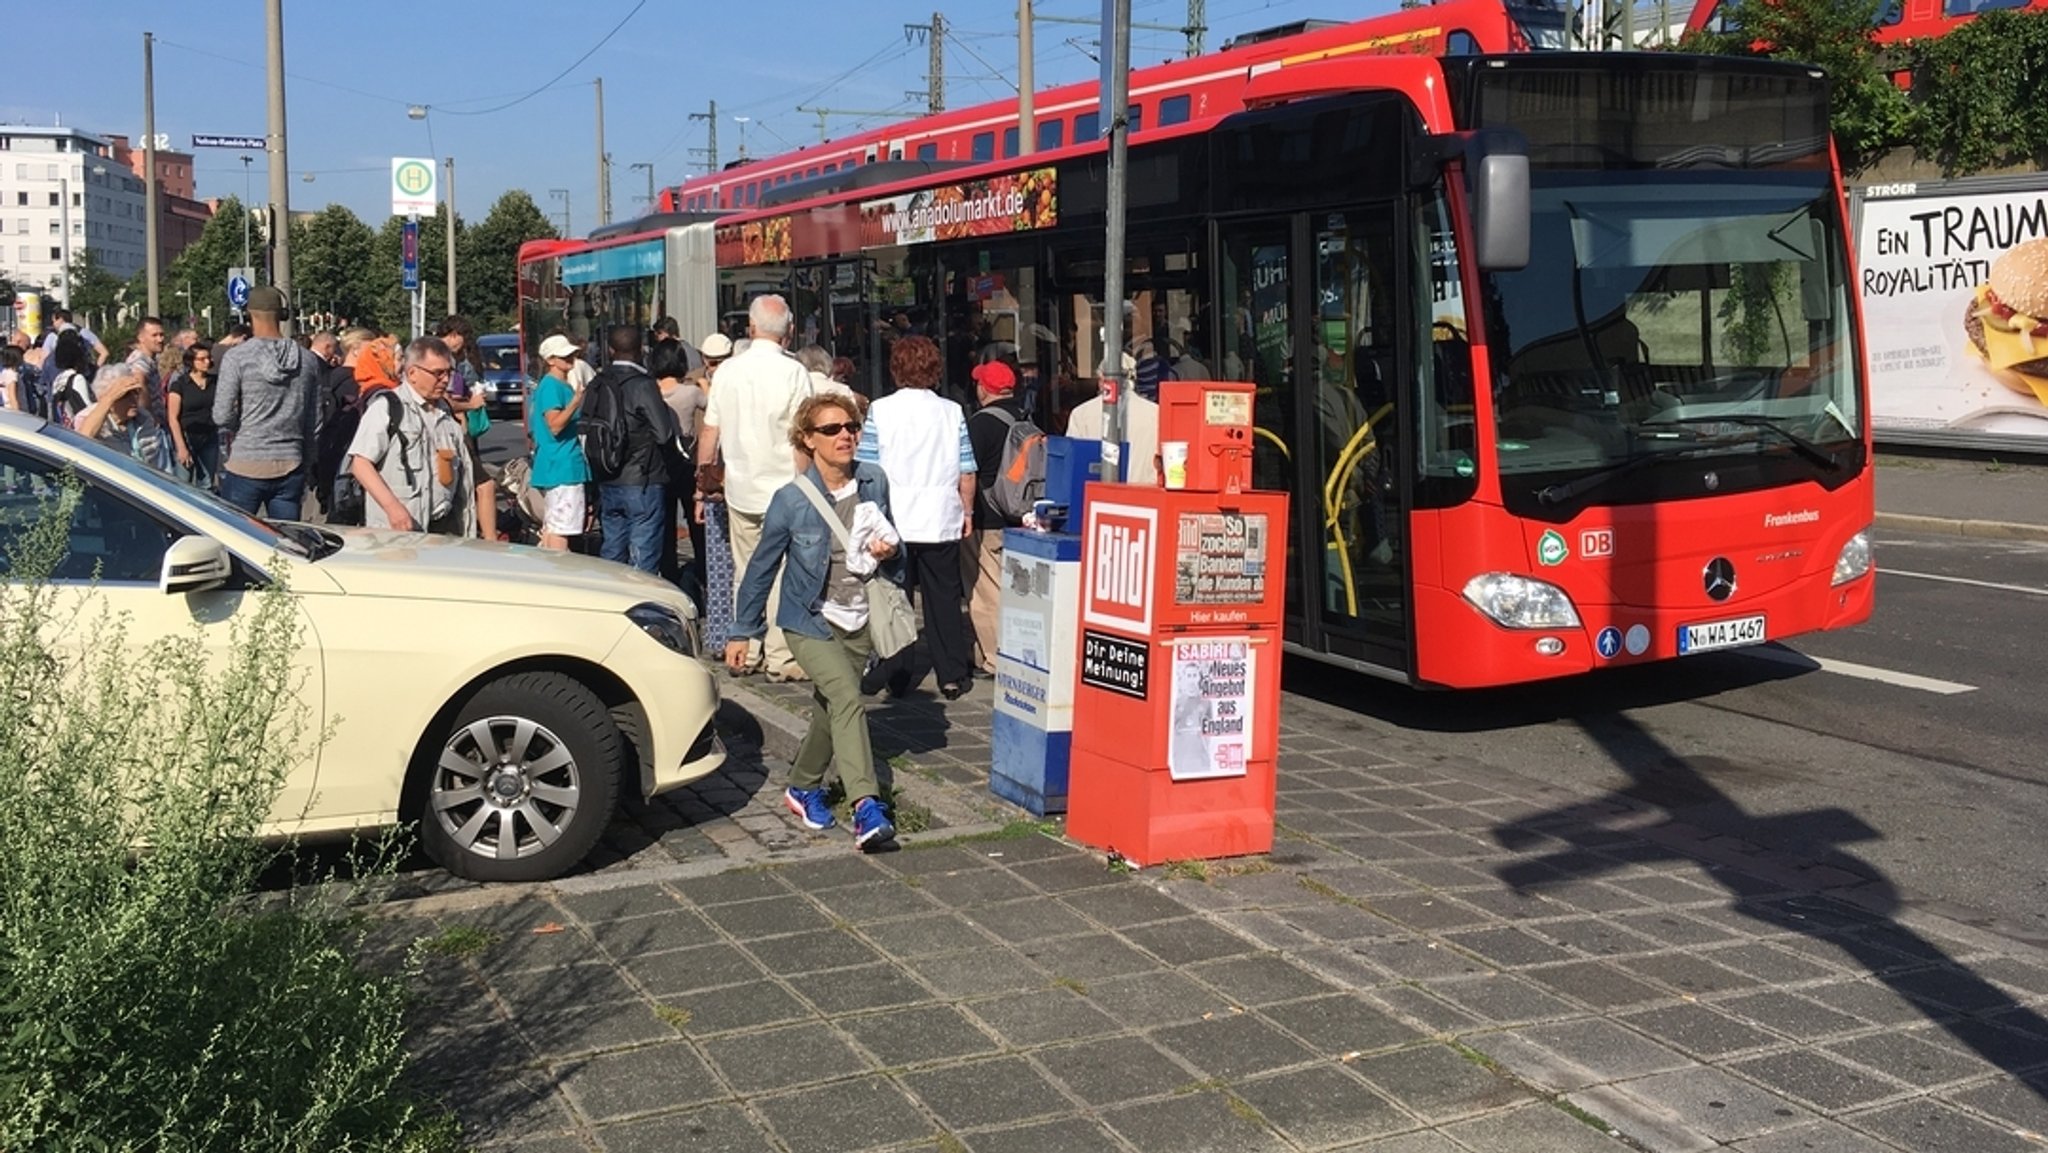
[(415, 185), (409, 257), (240, 280)]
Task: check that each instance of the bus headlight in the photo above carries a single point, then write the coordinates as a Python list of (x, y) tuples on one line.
[(1519, 602), (1855, 558)]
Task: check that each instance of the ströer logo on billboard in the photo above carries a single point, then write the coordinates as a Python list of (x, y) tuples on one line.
[(1117, 574)]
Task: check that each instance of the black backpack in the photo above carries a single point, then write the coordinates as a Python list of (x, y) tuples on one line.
[(607, 430), (340, 415), (350, 504)]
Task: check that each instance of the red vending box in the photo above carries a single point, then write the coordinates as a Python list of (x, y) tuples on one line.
[(1177, 706)]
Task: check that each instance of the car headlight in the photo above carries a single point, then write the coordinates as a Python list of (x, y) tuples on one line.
[(1519, 602), (1855, 558), (664, 624)]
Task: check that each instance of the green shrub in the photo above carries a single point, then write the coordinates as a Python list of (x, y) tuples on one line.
[(151, 996)]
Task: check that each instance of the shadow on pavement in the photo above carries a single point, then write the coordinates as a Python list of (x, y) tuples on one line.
[(1978, 1014), (1486, 710)]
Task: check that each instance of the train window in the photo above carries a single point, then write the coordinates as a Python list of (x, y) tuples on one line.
[(927, 151), (1135, 117), (1955, 8), (1009, 143), (1051, 134), (782, 180), (984, 147), (753, 193), (811, 171), (831, 168), (1087, 126), (1173, 110)]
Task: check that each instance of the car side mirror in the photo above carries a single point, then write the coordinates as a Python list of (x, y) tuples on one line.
[(195, 564)]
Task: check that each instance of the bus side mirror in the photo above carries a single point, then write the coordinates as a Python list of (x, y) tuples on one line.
[(1500, 210), (1497, 176)]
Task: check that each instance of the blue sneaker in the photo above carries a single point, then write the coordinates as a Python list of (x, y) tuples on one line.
[(871, 827), (810, 807)]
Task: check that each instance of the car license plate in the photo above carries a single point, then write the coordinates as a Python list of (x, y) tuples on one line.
[(1713, 635)]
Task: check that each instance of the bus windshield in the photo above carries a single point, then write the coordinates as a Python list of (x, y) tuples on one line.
[(1674, 313), (1686, 295)]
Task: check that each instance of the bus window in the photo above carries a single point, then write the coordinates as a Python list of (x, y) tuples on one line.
[(926, 151), (984, 146), (1461, 43), (1051, 134), (1446, 436), (1173, 110), (1009, 143), (1257, 339)]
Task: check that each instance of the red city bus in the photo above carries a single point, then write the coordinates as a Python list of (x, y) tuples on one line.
[(1599, 406), (1161, 96)]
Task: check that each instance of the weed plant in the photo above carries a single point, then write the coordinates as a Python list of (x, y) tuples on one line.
[(151, 998)]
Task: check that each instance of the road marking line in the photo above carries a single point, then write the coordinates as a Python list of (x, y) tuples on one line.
[(1861, 672), (1955, 580)]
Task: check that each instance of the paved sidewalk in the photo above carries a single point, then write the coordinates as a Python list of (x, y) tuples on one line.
[(1437, 957), (1987, 498)]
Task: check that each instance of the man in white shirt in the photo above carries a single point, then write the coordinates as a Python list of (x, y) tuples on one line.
[(746, 422), (1141, 434)]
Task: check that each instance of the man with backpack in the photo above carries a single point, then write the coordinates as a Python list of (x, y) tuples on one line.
[(989, 430), (627, 433), (408, 455)]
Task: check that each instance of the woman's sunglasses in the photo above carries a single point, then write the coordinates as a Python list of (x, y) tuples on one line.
[(834, 429)]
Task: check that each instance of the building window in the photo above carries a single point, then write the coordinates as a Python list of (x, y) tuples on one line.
[(56, 254), (56, 228), (21, 172), (50, 172), (21, 200), (54, 202), (21, 254), (21, 225)]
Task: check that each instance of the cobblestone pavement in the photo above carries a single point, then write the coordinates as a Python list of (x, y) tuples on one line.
[(1436, 957)]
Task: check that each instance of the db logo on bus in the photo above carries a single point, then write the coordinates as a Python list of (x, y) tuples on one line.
[(1116, 566), (1596, 542)]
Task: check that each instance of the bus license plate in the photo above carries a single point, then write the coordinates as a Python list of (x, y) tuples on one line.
[(1720, 635)]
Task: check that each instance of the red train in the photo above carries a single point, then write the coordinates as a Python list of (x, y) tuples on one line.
[(1161, 96), (1898, 20)]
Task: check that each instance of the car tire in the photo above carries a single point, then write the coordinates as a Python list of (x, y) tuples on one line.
[(523, 781)]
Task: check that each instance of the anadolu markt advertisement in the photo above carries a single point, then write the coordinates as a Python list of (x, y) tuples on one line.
[(1954, 280)]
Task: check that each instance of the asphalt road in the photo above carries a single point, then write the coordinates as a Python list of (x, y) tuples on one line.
[(1913, 743)]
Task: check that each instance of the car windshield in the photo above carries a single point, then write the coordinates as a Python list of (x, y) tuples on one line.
[(1684, 313), (184, 497), (501, 357)]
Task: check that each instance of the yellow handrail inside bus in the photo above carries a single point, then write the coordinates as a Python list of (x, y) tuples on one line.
[(1360, 446), (1269, 434)]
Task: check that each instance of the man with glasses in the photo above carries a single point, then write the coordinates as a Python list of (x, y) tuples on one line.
[(407, 453), (267, 407)]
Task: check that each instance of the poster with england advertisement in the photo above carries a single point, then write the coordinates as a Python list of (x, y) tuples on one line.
[(1211, 708), (1954, 283)]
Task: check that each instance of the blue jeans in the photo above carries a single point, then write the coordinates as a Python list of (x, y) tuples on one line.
[(278, 498), (632, 518)]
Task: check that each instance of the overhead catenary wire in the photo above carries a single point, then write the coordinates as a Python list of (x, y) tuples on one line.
[(575, 64)]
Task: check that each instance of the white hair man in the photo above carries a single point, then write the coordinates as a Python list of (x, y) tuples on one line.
[(747, 422)]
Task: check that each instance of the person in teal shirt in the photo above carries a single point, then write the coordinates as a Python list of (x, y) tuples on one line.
[(554, 412)]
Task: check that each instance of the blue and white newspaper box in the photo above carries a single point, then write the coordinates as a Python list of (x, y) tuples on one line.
[(1033, 727)]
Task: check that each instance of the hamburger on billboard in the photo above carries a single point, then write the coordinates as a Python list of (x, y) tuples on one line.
[(1954, 281)]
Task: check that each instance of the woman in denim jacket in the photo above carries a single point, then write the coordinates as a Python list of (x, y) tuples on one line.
[(823, 613)]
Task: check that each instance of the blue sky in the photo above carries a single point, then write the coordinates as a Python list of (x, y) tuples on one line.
[(353, 69)]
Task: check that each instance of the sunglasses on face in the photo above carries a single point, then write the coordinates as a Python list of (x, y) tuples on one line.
[(837, 427)]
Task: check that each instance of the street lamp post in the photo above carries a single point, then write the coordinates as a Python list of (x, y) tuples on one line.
[(246, 162)]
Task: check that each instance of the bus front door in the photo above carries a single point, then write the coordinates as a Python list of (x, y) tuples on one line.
[(1310, 302)]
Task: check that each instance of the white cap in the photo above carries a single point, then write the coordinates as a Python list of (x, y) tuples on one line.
[(558, 345), (717, 346)]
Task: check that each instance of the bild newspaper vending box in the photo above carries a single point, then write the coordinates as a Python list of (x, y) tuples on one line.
[(1176, 709)]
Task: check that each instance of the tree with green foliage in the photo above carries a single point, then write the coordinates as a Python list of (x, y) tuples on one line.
[(489, 256), (1869, 113), (203, 267), (1978, 93), (333, 264), (92, 293)]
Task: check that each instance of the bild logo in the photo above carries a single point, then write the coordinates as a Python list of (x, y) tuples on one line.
[(1117, 576), (1551, 549)]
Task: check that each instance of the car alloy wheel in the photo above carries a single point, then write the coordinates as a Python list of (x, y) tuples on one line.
[(506, 787)]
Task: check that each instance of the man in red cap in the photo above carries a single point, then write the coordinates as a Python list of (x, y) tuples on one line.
[(995, 385)]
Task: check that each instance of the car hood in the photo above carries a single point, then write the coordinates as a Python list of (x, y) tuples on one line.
[(422, 566)]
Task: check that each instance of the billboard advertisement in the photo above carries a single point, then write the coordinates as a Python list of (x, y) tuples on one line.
[(1954, 281)]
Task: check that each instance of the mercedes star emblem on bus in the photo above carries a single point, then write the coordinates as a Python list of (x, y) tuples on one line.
[(1720, 578)]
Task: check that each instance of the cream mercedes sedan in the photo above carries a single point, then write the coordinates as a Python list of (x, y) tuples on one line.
[(500, 696)]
